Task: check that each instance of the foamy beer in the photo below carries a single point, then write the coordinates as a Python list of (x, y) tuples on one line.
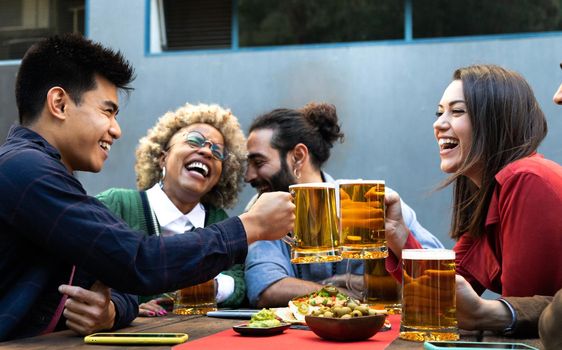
[(428, 295), (382, 291), (315, 234), (196, 300), (362, 219)]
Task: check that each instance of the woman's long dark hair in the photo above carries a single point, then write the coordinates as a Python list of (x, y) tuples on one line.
[(507, 124)]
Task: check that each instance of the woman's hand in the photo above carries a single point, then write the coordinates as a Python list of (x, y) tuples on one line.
[(154, 307), (476, 313), (396, 230)]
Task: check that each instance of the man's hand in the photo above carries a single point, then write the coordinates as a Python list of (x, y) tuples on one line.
[(155, 307), (351, 285), (395, 227), (88, 311), (270, 218)]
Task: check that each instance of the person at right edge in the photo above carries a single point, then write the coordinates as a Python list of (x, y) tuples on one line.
[(507, 199)]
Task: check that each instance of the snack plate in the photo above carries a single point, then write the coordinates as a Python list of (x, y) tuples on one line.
[(243, 329)]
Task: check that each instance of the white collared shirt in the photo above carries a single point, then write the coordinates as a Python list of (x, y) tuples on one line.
[(172, 221)]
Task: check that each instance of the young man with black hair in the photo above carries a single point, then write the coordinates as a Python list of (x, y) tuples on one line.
[(52, 234)]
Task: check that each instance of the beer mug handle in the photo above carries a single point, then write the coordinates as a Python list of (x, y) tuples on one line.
[(289, 239), (353, 287)]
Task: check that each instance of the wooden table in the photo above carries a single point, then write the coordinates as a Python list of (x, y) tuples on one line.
[(197, 327)]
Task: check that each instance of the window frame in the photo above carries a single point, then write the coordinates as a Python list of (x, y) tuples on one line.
[(407, 39)]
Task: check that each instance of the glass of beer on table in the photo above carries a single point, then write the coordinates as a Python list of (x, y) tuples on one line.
[(428, 295), (315, 236), (196, 300), (362, 213), (382, 291)]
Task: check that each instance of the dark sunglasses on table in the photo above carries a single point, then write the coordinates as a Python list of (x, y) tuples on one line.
[(196, 140)]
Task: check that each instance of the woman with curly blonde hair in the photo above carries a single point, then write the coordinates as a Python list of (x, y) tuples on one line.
[(189, 167)]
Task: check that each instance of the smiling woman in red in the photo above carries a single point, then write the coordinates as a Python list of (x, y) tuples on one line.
[(189, 167), (507, 200)]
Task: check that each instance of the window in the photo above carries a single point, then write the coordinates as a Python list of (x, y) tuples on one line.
[(444, 18), (232, 24), (23, 22), (196, 24), (289, 22)]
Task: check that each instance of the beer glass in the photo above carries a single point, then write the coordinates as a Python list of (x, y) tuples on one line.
[(315, 234), (196, 300), (428, 295), (362, 219), (382, 291)]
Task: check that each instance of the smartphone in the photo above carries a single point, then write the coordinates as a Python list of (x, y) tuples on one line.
[(136, 338), (460, 345)]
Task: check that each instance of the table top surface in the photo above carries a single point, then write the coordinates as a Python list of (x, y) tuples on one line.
[(198, 327)]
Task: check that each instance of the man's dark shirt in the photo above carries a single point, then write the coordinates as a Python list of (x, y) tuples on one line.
[(48, 223)]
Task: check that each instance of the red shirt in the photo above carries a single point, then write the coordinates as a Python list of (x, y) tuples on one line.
[(520, 253)]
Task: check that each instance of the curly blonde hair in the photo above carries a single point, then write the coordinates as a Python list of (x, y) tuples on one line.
[(152, 147)]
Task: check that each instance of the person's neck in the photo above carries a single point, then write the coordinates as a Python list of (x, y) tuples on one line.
[(44, 131), (48, 132), (183, 205), (311, 176)]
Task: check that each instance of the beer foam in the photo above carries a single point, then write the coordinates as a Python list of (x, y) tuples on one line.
[(360, 181), (428, 254), (314, 185)]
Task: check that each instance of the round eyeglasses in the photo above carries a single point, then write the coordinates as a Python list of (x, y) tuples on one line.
[(196, 140)]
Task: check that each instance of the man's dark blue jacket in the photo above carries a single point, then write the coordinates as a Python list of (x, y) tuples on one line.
[(48, 223)]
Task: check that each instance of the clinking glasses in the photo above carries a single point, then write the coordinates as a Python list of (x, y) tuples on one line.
[(196, 140)]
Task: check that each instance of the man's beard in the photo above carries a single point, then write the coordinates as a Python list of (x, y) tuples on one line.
[(280, 181)]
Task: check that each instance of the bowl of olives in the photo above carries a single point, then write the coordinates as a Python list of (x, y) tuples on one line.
[(351, 322)]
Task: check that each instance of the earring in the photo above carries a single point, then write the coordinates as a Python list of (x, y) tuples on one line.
[(297, 173), (161, 182)]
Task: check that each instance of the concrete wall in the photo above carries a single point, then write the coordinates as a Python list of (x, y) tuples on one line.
[(386, 95), (8, 112)]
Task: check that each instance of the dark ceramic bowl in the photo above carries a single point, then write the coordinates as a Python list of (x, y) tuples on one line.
[(350, 329)]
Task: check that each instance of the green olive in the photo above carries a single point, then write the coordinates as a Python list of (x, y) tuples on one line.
[(356, 313), (328, 314), (372, 312), (364, 309), (344, 311), (346, 316)]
